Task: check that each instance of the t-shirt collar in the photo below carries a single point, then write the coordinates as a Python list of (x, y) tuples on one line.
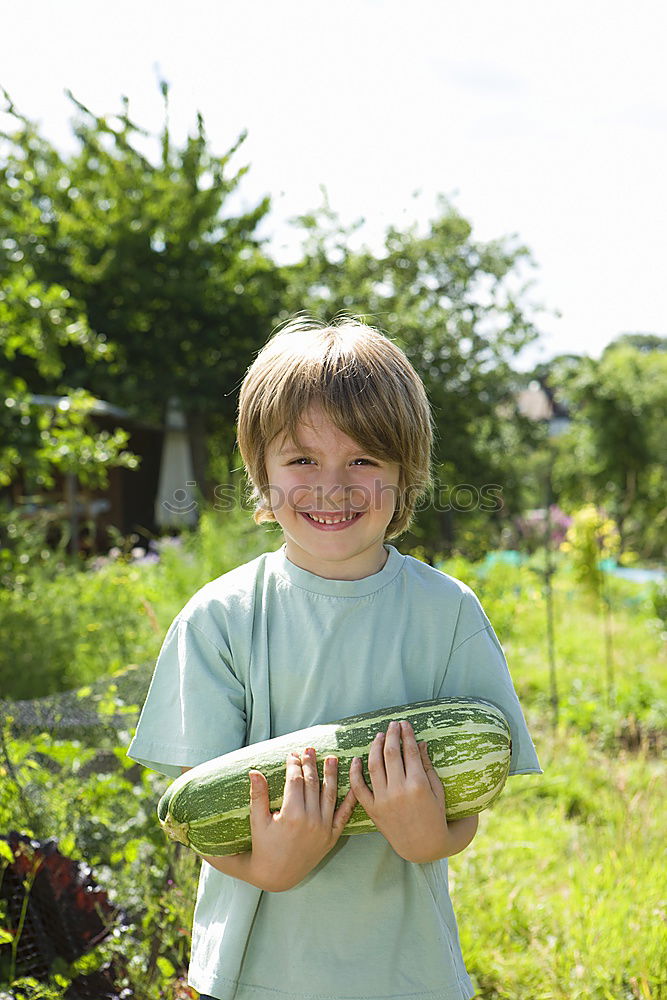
[(306, 580)]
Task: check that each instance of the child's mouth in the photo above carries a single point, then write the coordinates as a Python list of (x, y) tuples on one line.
[(336, 522)]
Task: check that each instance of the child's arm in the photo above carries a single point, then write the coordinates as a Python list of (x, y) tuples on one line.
[(288, 844), (407, 803)]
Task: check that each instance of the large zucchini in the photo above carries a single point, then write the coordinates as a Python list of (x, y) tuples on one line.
[(207, 808)]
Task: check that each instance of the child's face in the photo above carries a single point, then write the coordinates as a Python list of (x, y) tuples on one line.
[(331, 477)]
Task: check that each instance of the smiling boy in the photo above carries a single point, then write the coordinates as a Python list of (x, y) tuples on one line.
[(335, 432)]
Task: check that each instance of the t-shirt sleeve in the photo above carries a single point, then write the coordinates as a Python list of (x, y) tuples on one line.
[(477, 668), (195, 706)]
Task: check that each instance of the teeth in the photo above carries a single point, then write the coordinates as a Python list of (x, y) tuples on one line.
[(327, 520)]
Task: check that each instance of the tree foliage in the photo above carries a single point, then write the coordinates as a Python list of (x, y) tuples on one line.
[(171, 285), (39, 321), (457, 307), (129, 273), (615, 452)]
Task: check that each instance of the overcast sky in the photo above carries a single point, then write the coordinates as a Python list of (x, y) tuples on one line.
[(545, 120)]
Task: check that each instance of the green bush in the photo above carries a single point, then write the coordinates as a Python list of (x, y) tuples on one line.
[(66, 627), (67, 631)]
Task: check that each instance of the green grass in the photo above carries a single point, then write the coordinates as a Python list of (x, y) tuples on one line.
[(562, 894)]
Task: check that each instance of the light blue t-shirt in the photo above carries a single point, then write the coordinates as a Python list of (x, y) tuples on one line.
[(270, 648)]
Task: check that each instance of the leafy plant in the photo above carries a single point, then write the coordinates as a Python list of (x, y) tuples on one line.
[(592, 541)]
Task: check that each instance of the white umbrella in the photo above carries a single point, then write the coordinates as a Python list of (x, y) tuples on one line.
[(175, 503)]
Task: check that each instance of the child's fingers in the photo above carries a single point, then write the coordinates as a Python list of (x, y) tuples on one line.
[(376, 766), (412, 757), (343, 813), (260, 812), (431, 774), (329, 792), (311, 780), (358, 785), (393, 759), (293, 798)]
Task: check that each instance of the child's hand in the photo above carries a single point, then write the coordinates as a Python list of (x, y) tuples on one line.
[(407, 803), (286, 845)]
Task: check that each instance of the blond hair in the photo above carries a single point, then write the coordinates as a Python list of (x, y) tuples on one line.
[(364, 384)]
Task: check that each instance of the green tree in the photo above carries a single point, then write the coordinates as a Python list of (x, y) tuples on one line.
[(640, 341), (456, 306), (168, 277), (615, 452), (38, 323)]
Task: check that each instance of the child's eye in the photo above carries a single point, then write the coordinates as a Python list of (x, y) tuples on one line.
[(303, 459)]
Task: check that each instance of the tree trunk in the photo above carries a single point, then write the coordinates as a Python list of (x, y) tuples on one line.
[(447, 531)]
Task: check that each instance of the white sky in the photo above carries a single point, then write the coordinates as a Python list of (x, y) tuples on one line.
[(548, 120)]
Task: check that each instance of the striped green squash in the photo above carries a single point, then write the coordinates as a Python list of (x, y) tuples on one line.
[(207, 808)]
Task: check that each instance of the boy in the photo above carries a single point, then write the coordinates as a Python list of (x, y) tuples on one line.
[(335, 431)]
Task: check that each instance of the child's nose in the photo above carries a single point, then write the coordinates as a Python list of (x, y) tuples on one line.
[(329, 491)]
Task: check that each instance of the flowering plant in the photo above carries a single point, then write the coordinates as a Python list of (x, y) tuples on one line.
[(533, 528), (592, 538)]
